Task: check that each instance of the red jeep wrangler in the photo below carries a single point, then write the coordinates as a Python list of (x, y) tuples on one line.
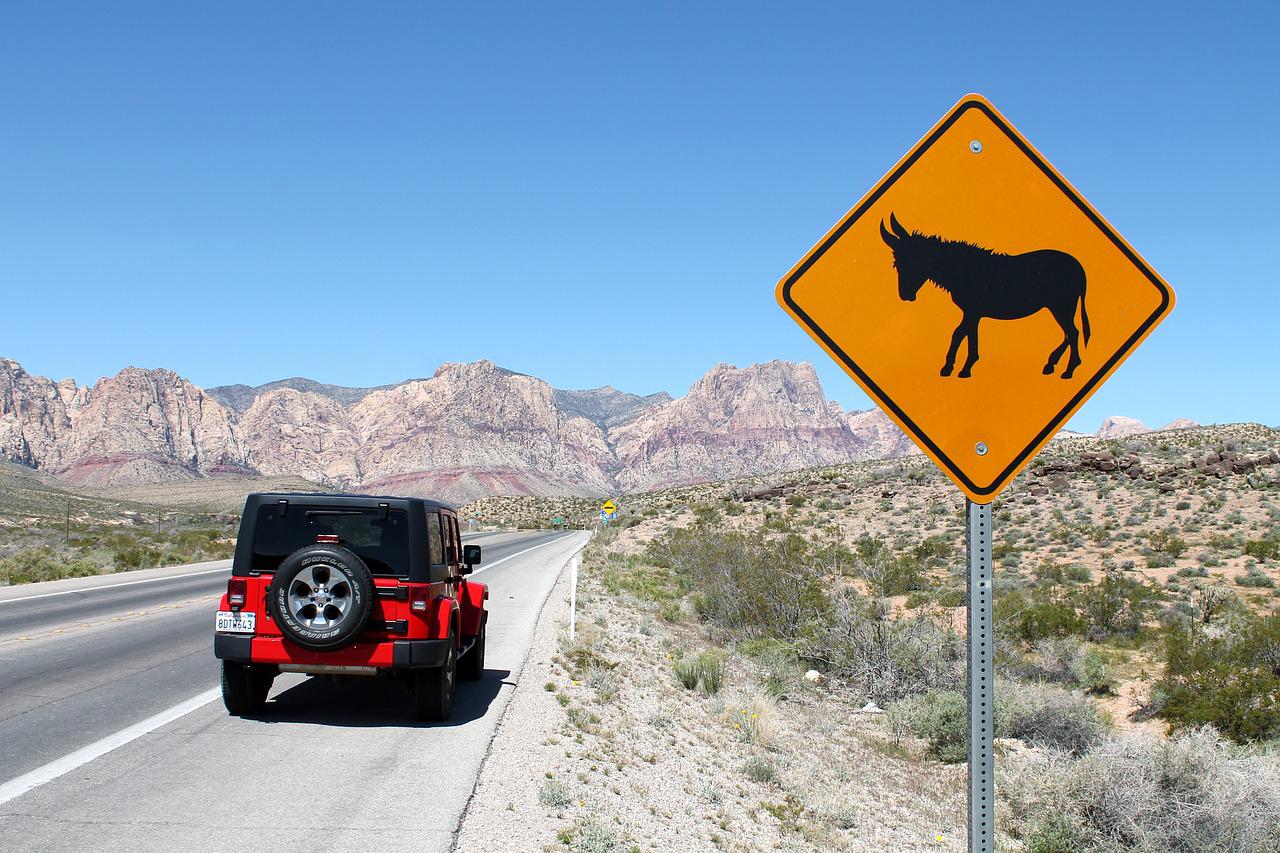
[(350, 585)]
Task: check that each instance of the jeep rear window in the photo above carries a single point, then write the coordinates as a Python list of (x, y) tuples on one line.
[(383, 543)]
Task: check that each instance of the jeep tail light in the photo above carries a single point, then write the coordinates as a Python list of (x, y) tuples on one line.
[(236, 590), (418, 598), (327, 539)]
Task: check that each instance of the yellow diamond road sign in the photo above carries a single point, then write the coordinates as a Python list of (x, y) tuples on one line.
[(609, 506), (976, 297)]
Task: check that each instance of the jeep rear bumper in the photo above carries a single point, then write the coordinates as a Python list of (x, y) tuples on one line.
[(390, 654)]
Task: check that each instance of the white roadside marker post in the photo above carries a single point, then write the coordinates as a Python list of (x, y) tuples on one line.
[(573, 595), (981, 681)]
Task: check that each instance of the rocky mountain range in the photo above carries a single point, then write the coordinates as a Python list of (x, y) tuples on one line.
[(470, 430)]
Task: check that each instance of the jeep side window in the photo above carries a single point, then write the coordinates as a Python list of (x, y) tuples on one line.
[(435, 542), (451, 538), (457, 538)]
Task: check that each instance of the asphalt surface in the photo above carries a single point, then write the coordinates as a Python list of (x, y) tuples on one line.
[(334, 767)]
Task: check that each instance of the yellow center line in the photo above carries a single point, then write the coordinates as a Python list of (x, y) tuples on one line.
[(132, 614)]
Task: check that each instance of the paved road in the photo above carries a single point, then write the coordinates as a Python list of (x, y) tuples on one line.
[(332, 767)]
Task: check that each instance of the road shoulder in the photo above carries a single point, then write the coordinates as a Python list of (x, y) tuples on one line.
[(503, 813)]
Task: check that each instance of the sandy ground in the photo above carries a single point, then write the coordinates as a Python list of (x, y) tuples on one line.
[(615, 755)]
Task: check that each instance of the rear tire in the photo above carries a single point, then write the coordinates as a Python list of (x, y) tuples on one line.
[(471, 667), (433, 688), (321, 597), (244, 689)]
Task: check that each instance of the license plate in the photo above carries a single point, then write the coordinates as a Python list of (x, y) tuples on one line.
[(234, 623)]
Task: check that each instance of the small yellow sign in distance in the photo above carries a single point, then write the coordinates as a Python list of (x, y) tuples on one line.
[(609, 506), (976, 297)]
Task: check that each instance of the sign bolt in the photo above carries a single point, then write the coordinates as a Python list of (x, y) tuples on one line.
[(975, 146), (980, 448)]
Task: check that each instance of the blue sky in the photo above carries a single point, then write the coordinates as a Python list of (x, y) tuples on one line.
[(590, 193)]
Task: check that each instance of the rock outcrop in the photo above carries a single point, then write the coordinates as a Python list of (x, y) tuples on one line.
[(240, 397), (733, 422), (880, 435), (481, 420), (138, 426), (33, 414), (1169, 476), (285, 431), (1120, 427), (607, 407)]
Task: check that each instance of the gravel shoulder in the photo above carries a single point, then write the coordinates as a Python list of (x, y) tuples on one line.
[(518, 750), (601, 749)]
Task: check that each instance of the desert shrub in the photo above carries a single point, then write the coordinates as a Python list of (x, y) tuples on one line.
[(1167, 542), (760, 769), (1190, 794), (594, 835), (1263, 549), (754, 585), (581, 658), (1227, 676), (1042, 715), (753, 718), (604, 680), (34, 565), (779, 662), (1048, 716), (951, 596), (917, 600), (671, 611), (136, 556), (883, 657), (888, 574), (80, 569), (554, 795), (1066, 660), (706, 515), (1215, 604), (1002, 549), (1037, 614), (1055, 659), (710, 669), (686, 672), (934, 546), (1255, 578), (655, 584), (1091, 672), (941, 718), (1116, 605), (1076, 573)]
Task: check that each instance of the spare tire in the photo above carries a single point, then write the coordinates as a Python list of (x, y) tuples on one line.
[(321, 596)]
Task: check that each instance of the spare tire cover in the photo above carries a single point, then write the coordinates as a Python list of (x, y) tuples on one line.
[(321, 596)]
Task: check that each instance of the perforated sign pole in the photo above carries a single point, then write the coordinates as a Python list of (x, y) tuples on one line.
[(982, 696)]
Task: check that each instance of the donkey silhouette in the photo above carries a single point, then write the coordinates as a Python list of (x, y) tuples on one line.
[(985, 283)]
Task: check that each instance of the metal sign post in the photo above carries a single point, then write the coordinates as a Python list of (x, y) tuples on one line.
[(982, 694)]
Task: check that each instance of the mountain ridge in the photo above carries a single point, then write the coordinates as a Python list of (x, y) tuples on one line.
[(469, 430)]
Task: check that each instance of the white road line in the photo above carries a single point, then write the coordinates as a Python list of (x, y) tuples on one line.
[(521, 553), (67, 763), (115, 585)]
